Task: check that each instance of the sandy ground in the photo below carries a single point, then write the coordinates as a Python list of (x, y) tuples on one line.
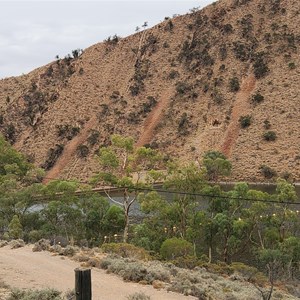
[(23, 268)]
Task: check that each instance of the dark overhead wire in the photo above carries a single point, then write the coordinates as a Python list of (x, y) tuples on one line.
[(115, 188)]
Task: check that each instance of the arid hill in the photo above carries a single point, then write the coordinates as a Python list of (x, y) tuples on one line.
[(225, 78)]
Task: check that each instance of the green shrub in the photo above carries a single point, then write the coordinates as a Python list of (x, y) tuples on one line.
[(292, 66), (227, 28), (174, 248), (93, 138), (187, 262), (183, 124), (246, 271), (169, 26), (217, 96), (82, 151), (241, 50), (173, 74), (270, 136), (234, 84), (219, 268), (245, 121), (223, 52), (35, 235), (67, 131), (257, 98), (182, 87), (267, 172), (10, 133), (126, 250), (260, 65), (52, 156), (267, 124), (15, 228)]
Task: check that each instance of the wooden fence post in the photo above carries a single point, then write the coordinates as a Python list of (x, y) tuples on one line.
[(83, 284)]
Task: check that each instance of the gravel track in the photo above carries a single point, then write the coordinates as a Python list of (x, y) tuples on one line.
[(23, 268)]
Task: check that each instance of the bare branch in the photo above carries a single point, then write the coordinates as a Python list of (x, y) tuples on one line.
[(112, 199)]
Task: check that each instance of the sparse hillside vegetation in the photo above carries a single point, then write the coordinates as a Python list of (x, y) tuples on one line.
[(195, 66)]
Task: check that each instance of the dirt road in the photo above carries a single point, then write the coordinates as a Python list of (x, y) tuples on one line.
[(23, 268)]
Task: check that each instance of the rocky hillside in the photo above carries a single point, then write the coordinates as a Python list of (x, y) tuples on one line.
[(225, 78)]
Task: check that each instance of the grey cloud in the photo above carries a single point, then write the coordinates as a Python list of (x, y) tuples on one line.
[(32, 33)]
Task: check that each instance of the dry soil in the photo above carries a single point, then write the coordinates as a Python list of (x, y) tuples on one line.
[(25, 269)]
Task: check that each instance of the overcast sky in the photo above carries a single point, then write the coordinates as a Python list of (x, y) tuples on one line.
[(32, 33)]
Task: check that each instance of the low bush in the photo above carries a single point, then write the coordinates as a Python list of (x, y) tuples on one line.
[(41, 245), (234, 84), (67, 131), (133, 270), (270, 136), (14, 244), (188, 262), (10, 133), (182, 87), (82, 151), (245, 121), (156, 271), (174, 248), (188, 289), (219, 268), (245, 271), (267, 172), (173, 74), (47, 294), (138, 296), (69, 251), (267, 124), (292, 66), (260, 65), (35, 235), (52, 156), (93, 138), (81, 257), (126, 250), (3, 243), (257, 98)]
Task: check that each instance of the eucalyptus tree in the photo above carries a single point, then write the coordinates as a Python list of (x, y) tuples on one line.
[(19, 184), (128, 168), (216, 164)]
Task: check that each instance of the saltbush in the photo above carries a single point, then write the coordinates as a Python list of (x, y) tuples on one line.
[(156, 271), (3, 243), (138, 296), (41, 245), (47, 294), (14, 244)]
